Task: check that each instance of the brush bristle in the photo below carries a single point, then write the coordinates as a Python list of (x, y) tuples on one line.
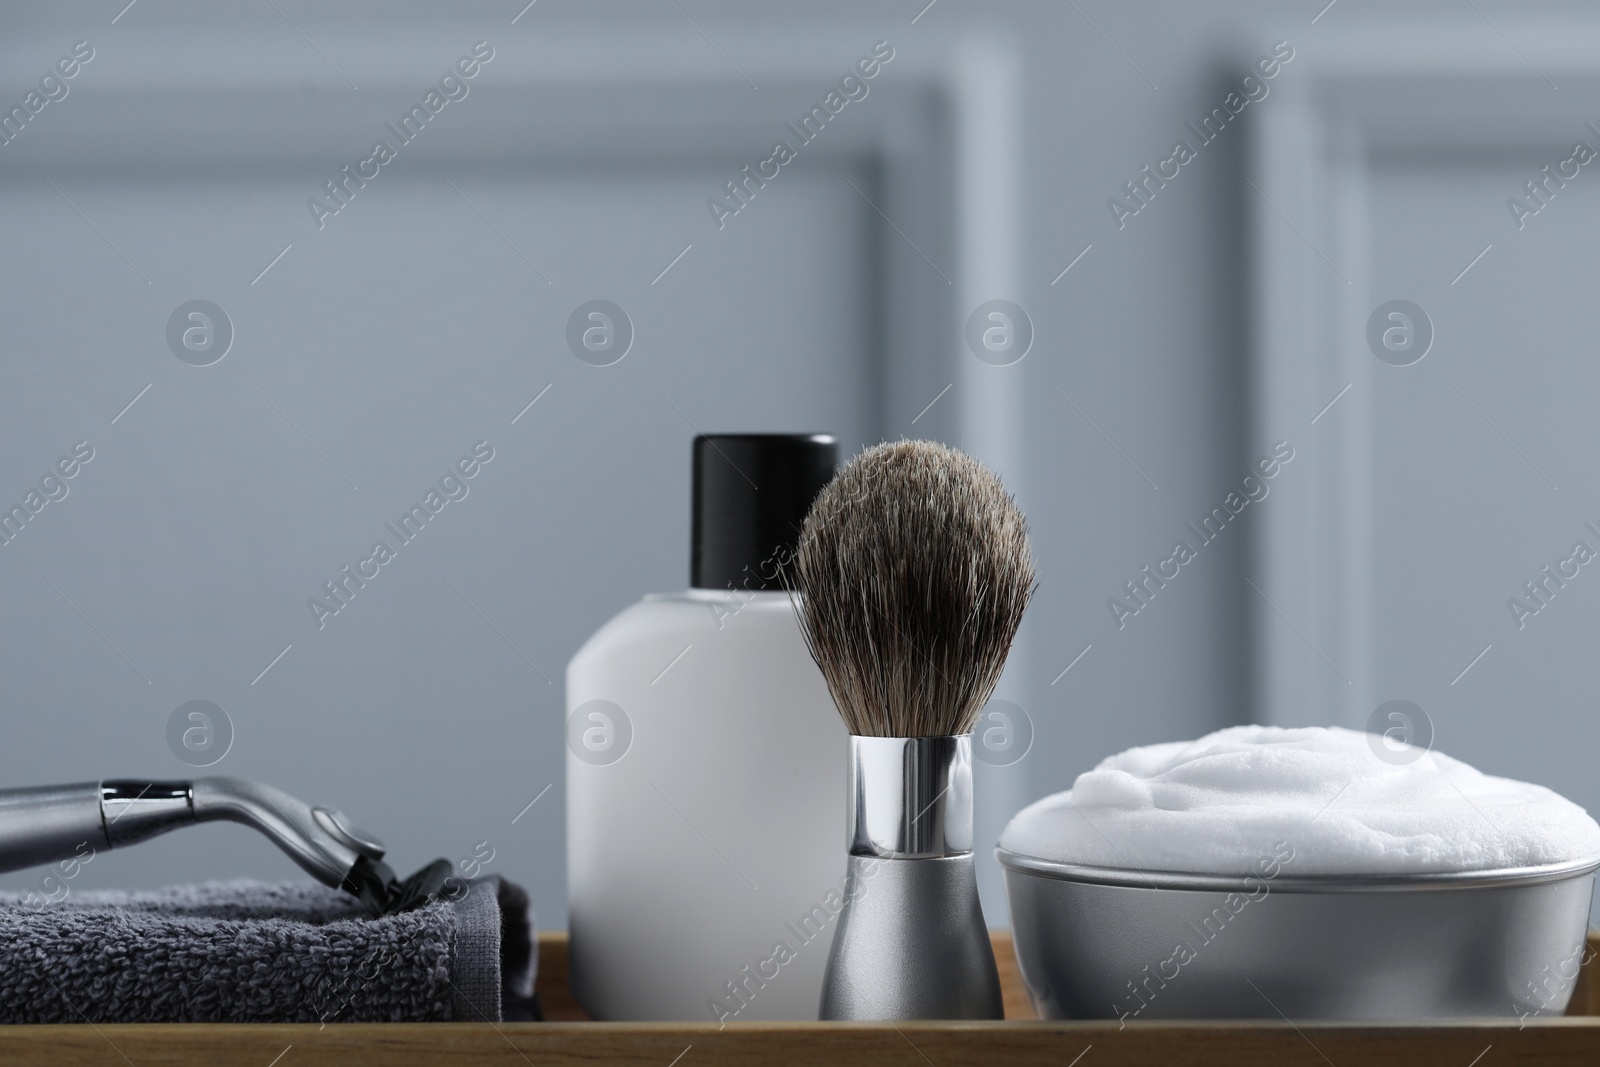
[(913, 572)]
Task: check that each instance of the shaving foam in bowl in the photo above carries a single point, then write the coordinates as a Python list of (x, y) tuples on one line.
[(1261, 872), (1219, 804)]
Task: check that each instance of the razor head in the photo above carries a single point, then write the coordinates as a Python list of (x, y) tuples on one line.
[(373, 882), (420, 888)]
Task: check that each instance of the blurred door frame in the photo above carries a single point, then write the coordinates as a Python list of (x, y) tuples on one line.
[(1363, 97)]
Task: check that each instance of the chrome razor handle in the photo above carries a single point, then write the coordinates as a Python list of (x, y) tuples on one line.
[(51, 823), (55, 822), (911, 941), (321, 840)]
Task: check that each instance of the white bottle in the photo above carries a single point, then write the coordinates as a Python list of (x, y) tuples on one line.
[(704, 768)]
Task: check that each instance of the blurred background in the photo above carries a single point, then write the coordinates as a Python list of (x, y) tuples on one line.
[(1173, 321)]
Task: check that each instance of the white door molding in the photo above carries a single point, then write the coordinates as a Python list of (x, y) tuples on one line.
[(1354, 99), (938, 130)]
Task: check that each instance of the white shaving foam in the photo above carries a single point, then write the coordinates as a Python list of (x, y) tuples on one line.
[(1219, 804)]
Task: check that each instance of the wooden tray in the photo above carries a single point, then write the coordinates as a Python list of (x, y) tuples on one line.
[(569, 1039)]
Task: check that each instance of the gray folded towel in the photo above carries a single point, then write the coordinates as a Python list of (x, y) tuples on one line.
[(251, 952)]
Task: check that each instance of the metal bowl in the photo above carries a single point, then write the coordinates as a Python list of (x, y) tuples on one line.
[(1105, 943)]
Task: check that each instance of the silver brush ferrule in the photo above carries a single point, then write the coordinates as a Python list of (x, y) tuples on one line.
[(910, 797)]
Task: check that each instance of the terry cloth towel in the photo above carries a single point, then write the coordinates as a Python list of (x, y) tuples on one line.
[(248, 952)]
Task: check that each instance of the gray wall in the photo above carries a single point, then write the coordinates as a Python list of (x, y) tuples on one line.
[(408, 331)]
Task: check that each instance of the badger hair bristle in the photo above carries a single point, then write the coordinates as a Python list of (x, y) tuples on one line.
[(913, 572)]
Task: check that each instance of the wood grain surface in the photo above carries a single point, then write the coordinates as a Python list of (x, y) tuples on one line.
[(560, 1007), (1573, 1040)]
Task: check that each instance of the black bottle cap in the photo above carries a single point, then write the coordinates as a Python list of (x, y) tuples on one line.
[(751, 495)]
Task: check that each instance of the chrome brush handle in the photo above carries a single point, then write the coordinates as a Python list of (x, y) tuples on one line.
[(911, 941)]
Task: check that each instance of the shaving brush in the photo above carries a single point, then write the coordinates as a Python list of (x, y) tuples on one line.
[(913, 572)]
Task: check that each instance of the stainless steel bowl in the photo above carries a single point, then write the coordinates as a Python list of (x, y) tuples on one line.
[(1103, 943)]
